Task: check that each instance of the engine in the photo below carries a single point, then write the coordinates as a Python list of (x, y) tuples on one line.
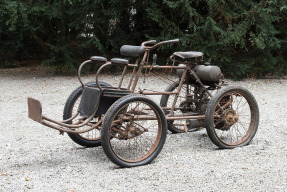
[(208, 74)]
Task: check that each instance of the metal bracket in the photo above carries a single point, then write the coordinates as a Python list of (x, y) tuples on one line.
[(34, 110)]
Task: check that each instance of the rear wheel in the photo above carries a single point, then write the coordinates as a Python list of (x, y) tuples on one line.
[(133, 131), (192, 99), (88, 139), (232, 117), (176, 126)]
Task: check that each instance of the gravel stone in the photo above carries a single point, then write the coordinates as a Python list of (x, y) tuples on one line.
[(36, 158)]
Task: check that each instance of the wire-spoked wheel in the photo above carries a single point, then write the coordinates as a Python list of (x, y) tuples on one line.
[(133, 131), (184, 105), (177, 126), (232, 117)]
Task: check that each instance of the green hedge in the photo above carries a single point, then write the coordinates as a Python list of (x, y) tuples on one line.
[(243, 37)]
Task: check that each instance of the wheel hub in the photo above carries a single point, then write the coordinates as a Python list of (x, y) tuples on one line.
[(130, 132), (134, 131), (230, 117)]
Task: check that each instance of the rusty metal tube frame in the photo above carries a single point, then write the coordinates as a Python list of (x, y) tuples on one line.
[(145, 57), (70, 119), (35, 113), (156, 93), (132, 77), (98, 74), (70, 125), (122, 77), (80, 69), (149, 117), (71, 130), (139, 71), (178, 90), (57, 124), (133, 73), (134, 80)]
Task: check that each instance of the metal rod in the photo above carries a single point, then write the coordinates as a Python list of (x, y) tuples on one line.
[(186, 117), (123, 74), (168, 108), (79, 71), (70, 125), (156, 93), (132, 77), (132, 65), (98, 73), (178, 90), (73, 117), (139, 71), (149, 117), (71, 130), (133, 73)]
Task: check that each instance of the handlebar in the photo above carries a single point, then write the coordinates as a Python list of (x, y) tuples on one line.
[(148, 42), (158, 44), (171, 41)]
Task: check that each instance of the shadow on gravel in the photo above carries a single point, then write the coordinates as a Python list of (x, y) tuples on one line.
[(60, 158), (198, 141)]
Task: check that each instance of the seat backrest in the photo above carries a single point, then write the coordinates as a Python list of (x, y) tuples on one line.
[(90, 101)]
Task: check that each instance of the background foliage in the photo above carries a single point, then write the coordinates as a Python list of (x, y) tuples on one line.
[(244, 37)]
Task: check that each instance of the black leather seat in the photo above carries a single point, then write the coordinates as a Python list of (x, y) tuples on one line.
[(118, 61), (98, 59), (188, 54), (131, 51)]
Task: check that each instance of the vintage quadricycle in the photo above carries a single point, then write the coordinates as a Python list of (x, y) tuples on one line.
[(132, 127)]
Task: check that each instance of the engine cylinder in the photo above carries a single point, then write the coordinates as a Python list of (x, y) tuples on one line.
[(206, 73)]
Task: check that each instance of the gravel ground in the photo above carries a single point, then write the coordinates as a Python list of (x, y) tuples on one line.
[(36, 158)]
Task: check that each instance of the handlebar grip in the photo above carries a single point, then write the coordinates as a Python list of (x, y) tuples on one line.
[(171, 41), (149, 42)]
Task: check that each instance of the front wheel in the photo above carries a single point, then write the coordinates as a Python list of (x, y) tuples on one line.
[(133, 131), (232, 117)]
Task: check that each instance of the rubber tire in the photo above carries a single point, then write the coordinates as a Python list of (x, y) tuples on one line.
[(67, 114), (211, 107), (105, 134)]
